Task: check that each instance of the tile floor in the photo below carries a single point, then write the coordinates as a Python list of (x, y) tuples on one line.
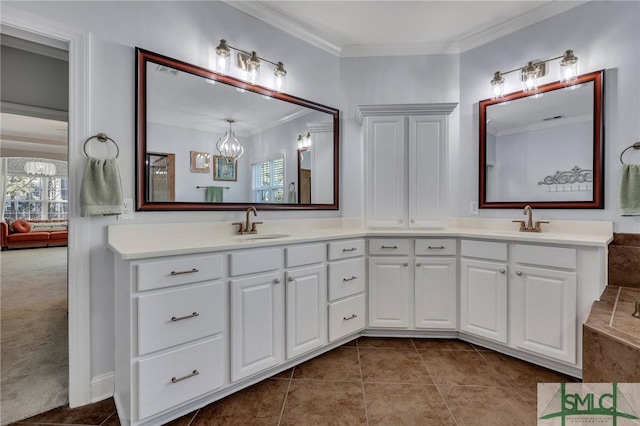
[(370, 381)]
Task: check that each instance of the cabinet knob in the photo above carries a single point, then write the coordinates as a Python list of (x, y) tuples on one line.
[(413, 221), (277, 281), (291, 279), (502, 271), (518, 273), (405, 264), (418, 264)]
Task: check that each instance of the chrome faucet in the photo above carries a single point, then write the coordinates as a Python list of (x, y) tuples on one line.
[(529, 226), (248, 227)]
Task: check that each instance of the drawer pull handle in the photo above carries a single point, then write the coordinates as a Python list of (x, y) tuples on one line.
[(350, 249), (350, 279), (405, 264), (518, 273), (350, 318), (291, 279), (502, 271), (277, 281), (436, 247), (193, 373), (194, 270), (193, 315), (389, 247)]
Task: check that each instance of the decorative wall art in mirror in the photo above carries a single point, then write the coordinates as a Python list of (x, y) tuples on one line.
[(546, 149), (187, 110)]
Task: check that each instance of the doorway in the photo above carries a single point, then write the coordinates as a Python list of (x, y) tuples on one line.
[(34, 293)]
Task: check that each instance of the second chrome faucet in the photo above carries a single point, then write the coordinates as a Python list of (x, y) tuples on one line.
[(529, 226)]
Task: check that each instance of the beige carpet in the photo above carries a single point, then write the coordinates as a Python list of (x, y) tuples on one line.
[(34, 361)]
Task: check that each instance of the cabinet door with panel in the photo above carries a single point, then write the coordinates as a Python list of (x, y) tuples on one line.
[(389, 292), (257, 324), (306, 310), (544, 312), (435, 293), (483, 299)]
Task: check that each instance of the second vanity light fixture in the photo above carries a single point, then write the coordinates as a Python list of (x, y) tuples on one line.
[(531, 73), (304, 141), (229, 146), (249, 62)]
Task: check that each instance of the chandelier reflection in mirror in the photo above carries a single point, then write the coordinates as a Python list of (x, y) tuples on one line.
[(250, 63), (229, 146), (40, 168), (531, 73), (304, 141)]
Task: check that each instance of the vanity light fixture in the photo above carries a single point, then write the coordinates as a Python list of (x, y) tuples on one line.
[(40, 168), (531, 73), (229, 146), (304, 141), (249, 62)]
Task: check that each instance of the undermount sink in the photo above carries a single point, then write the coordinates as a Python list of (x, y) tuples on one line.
[(250, 237)]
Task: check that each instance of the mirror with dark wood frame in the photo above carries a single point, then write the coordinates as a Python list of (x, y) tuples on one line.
[(183, 110), (544, 149)]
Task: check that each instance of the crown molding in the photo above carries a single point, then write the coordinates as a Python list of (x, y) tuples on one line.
[(285, 23), (301, 31), (403, 109)]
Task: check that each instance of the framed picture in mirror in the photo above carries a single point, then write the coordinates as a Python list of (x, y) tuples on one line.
[(223, 169), (200, 162)]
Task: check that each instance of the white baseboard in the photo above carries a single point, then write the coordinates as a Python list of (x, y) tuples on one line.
[(102, 387)]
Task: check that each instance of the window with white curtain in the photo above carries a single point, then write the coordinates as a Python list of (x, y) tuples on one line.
[(36, 197), (267, 180)]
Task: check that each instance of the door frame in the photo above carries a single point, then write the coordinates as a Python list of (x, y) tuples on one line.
[(79, 236)]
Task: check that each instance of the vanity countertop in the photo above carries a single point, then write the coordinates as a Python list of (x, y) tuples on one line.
[(140, 241)]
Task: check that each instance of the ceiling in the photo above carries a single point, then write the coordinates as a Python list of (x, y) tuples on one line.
[(387, 28), (36, 135)]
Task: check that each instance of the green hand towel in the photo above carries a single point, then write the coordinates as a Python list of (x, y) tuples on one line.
[(101, 190), (629, 199), (213, 194)]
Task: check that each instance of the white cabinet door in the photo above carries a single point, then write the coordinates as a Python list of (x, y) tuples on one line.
[(544, 312), (483, 299), (435, 293), (386, 172), (257, 324), (427, 171), (389, 292), (306, 320)]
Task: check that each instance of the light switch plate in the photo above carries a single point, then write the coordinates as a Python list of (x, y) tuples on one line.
[(128, 210), (473, 208)]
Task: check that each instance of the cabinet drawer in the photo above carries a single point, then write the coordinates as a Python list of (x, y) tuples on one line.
[(345, 249), (174, 317), (346, 278), (183, 270), (346, 317), (389, 246), (252, 261), (175, 377), (305, 254), (555, 257), (484, 249), (442, 247)]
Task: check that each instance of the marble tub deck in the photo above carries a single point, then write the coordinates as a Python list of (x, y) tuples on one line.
[(611, 338)]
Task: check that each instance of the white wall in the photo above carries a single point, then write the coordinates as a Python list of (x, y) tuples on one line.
[(604, 35)]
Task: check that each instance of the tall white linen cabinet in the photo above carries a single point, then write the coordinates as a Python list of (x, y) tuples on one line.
[(406, 164)]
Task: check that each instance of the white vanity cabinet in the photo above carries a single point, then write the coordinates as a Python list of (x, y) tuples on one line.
[(543, 301), (483, 289), (346, 293), (406, 164), (257, 293), (306, 299), (171, 339), (390, 283), (435, 284), (521, 295)]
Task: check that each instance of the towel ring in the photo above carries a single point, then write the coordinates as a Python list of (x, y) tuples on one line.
[(102, 137), (634, 146)]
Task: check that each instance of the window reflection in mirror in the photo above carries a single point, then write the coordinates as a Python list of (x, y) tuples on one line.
[(184, 109), (545, 150)]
